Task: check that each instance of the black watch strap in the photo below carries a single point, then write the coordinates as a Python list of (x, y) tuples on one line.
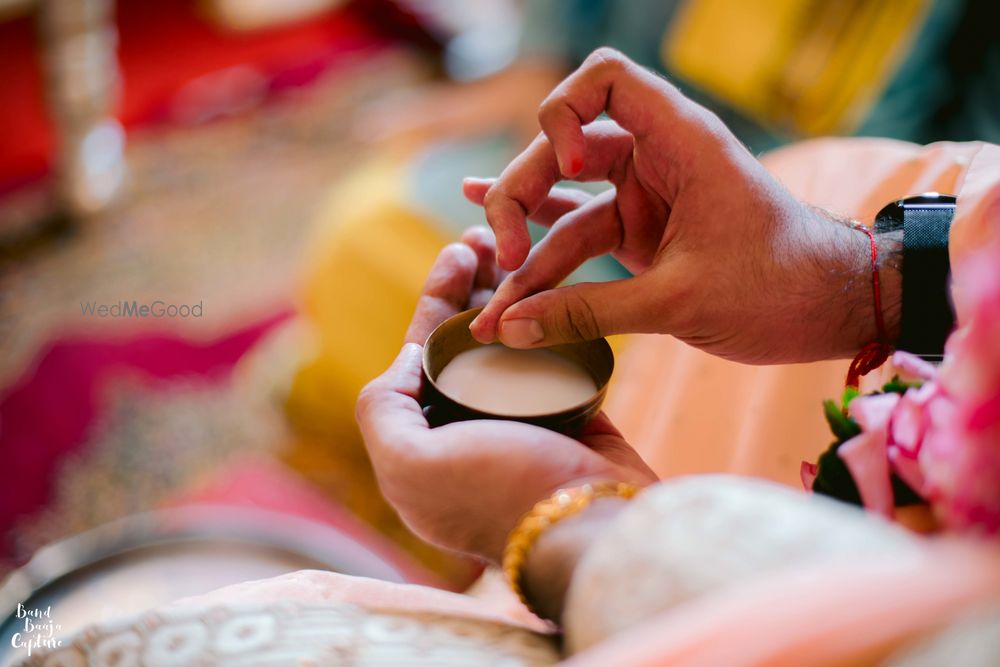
[(927, 317)]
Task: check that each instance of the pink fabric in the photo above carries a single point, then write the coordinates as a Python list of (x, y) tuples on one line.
[(795, 618), (265, 484), (48, 412)]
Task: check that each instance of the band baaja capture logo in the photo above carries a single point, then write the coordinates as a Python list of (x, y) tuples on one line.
[(36, 630)]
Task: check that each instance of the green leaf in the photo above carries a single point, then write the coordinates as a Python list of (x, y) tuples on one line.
[(833, 477), (903, 495), (850, 393), (842, 426), (898, 386)]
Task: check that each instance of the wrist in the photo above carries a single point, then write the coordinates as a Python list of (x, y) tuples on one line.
[(864, 304), (550, 564), (853, 300), (890, 263)]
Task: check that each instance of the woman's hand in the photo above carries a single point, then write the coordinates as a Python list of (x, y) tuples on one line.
[(724, 257), (464, 485)]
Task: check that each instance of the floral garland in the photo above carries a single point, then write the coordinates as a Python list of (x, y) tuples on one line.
[(935, 437)]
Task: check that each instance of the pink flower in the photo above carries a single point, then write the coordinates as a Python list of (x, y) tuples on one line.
[(865, 454), (807, 472), (943, 438), (961, 450)]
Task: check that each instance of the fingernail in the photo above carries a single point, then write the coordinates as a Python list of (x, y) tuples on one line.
[(571, 168), (502, 261), (521, 332)]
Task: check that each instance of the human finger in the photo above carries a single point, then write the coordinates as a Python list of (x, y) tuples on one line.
[(388, 408), (588, 231), (446, 290), (638, 100), (559, 202), (524, 185), (586, 311)]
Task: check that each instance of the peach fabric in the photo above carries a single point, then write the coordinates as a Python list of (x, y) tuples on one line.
[(854, 613), (687, 412), (978, 213)]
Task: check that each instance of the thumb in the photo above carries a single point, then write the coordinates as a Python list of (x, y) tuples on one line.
[(388, 408), (584, 311)]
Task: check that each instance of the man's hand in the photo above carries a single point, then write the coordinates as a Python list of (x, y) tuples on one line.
[(464, 485), (723, 256)]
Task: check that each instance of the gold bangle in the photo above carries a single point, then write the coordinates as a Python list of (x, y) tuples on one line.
[(562, 504)]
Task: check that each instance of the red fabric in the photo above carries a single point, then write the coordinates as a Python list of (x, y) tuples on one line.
[(163, 45)]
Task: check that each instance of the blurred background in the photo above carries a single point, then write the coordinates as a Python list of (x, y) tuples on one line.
[(273, 178)]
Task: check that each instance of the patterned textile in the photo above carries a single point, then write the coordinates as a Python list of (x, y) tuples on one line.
[(134, 423), (286, 634)]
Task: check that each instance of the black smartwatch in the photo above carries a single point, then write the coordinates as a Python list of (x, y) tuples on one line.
[(927, 316)]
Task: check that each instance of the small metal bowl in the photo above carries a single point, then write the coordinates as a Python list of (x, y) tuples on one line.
[(453, 337)]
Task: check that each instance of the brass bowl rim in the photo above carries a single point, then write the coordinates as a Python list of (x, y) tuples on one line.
[(583, 405)]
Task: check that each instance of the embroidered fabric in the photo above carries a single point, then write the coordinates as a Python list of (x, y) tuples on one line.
[(296, 634)]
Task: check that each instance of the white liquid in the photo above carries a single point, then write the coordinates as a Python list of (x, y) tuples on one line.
[(497, 379)]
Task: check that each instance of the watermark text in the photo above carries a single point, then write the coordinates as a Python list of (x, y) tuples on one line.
[(158, 308), (37, 630)]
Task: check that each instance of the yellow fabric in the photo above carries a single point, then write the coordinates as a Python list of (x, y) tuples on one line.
[(369, 259), (365, 264), (810, 67), (364, 269)]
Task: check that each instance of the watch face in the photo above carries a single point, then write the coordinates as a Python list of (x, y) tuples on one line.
[(890, 218), (927, 200)]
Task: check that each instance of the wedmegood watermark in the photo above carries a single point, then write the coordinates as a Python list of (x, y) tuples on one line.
[(36, 630), (158, 308)]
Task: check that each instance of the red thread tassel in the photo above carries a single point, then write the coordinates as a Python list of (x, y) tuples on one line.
[(875, 353), (871, 356)]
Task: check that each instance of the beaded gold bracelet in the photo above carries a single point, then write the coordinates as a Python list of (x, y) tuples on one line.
[(560, 505)]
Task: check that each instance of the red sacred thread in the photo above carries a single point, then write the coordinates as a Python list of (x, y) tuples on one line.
[(875, 353)]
